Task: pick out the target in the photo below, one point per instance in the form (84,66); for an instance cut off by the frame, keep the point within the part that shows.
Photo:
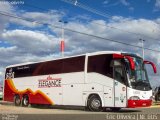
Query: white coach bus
(106,79)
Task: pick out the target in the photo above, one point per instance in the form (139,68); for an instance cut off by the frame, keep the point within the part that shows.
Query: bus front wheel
(25,101)
(94,103)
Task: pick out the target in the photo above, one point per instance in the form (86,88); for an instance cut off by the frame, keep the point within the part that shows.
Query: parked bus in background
(105,79)
(1,92)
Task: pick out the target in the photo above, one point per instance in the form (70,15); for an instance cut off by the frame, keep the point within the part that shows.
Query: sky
(30,29)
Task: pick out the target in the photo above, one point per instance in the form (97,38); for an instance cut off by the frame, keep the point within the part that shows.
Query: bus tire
(94,103)
(25,101)
(17,100)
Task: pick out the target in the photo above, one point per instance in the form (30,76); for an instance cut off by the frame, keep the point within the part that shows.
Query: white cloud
(131,8)
(148,1)
(51,17)
(125,2)
(44,16)
(157,6)
(6,7)
(4,19)
(30,41)
(106,2)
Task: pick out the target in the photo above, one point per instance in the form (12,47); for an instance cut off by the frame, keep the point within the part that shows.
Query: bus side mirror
(153,65)
(131,62)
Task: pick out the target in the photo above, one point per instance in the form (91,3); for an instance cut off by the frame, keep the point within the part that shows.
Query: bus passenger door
(119,87)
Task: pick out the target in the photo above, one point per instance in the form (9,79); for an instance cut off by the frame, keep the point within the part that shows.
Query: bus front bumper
(139,103)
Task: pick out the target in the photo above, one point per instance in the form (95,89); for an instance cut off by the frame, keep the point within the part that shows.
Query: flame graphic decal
(37,97)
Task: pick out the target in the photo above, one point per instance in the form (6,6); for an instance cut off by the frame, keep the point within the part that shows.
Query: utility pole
(62,44)
(142,46)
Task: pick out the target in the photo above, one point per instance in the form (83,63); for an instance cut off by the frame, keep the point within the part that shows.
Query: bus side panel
(72,94)
(73,84)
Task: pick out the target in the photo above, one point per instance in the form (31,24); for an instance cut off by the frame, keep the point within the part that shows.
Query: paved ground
(10,112)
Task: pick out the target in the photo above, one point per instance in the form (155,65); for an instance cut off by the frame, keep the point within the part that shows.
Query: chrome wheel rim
(26,101)
(95,104)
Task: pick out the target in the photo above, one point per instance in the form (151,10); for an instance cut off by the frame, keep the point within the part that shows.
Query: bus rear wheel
(94,103)
(25,101)
(17,100)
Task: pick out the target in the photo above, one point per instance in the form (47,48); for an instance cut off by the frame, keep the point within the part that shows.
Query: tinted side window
(75,64)
(50,67)
(100,64)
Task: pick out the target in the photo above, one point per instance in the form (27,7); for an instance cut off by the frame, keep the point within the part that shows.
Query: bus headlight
(134,98)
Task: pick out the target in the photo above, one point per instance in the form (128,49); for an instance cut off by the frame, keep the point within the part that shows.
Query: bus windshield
(138,77)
